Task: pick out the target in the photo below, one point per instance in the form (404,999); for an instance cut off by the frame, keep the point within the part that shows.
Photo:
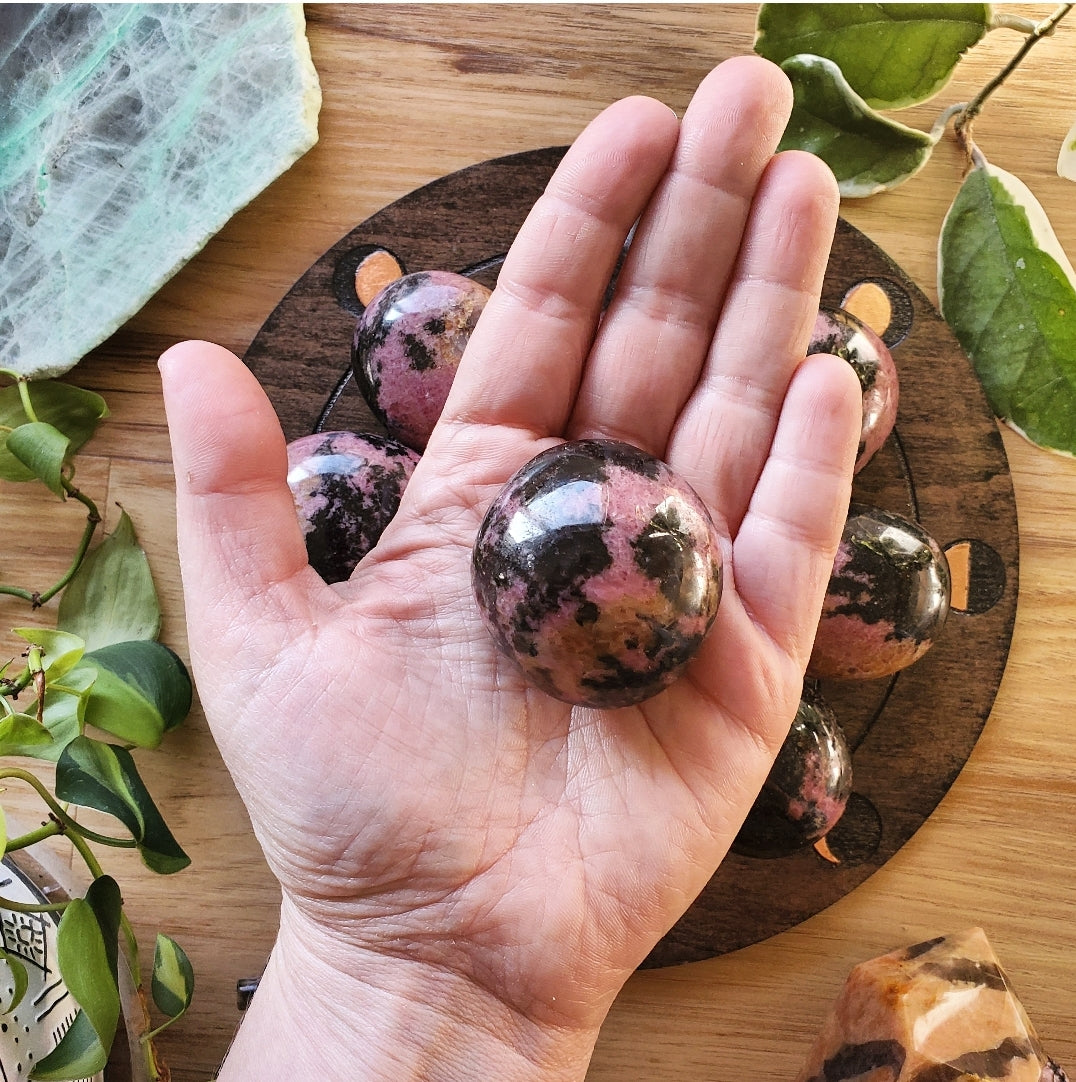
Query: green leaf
(104,777)
(80,1054)
(892,55)
(64,714)
(60,650)
(86,964)
(42,449)
(1008,291)
(106,902)
(19,978)
(1066,160)
(112,599)
(75,412)
(21,734)
(141,691)
(866,152)
(173,977)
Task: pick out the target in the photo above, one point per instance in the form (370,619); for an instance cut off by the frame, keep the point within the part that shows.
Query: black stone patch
(419,355)
(851,1061)
(986,1063)
(662,550)
(965,971)
(579,463)
(925,947)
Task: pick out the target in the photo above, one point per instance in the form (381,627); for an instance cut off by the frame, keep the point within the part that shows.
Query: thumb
(240,543)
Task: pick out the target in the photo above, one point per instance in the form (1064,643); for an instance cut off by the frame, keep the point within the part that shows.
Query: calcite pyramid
(129,135)
(939,1011)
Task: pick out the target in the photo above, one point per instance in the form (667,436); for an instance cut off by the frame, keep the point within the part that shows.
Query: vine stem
(24,395)
(37,598)
(75,832)
(967,113)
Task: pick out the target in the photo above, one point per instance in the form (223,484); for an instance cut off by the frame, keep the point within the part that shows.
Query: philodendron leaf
(79,1054)
(1009,292)
(73,411)
(867,152)
(106,902)
(63,716)
(21,734)
(112,599)
(19,978)
(173,977)
(141,690)
(42,449)
(61,651)
(104,777)
(1066,160)
(892,55)
(86,962)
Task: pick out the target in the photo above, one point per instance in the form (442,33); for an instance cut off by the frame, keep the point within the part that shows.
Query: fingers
(722,438)
(523,363)
(237,528)
(657,331)
(783,553)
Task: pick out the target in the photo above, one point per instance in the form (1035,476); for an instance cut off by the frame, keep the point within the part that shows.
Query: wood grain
(414,93)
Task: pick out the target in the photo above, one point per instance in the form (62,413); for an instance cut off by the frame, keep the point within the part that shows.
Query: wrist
(326,1010)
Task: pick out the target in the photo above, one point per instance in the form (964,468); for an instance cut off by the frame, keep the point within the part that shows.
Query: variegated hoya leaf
(867,152)
(1008,291)
(892,55)
(1066,159)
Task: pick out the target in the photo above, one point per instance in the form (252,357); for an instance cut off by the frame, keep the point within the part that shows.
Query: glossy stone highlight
(346,487)
(887,600)
(807,789)
(842,334)
(599,571)
(408,344)
(939,1011)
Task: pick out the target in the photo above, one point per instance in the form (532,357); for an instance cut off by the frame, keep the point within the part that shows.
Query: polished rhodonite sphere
(598,570)
(887,599)
(807,789)
(408,344)
(842,334)
(347,487)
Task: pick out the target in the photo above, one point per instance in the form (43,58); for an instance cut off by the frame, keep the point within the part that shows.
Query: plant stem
(962,127)
(31,907)
(12,686)
(32,837)
(27,405)
(93,520)
(75,832)
(1004,20)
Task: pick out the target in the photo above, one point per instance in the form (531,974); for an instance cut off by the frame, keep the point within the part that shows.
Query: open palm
(419,803)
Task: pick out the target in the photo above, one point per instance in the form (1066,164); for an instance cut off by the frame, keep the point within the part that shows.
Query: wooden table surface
(413,93)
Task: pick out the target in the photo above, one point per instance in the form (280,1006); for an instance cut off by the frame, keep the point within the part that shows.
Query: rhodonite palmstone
(408,344)
(887,600)
(129,135)
(807,788)
(347,487)
(842,334)
(939,1011)
(598,570)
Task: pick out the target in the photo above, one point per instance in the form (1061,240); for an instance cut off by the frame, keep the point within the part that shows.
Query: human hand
(470,869)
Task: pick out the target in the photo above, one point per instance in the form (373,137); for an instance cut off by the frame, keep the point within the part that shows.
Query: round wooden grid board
(944,466)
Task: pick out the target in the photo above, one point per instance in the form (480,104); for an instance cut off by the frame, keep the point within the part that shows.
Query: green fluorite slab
(129,134)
